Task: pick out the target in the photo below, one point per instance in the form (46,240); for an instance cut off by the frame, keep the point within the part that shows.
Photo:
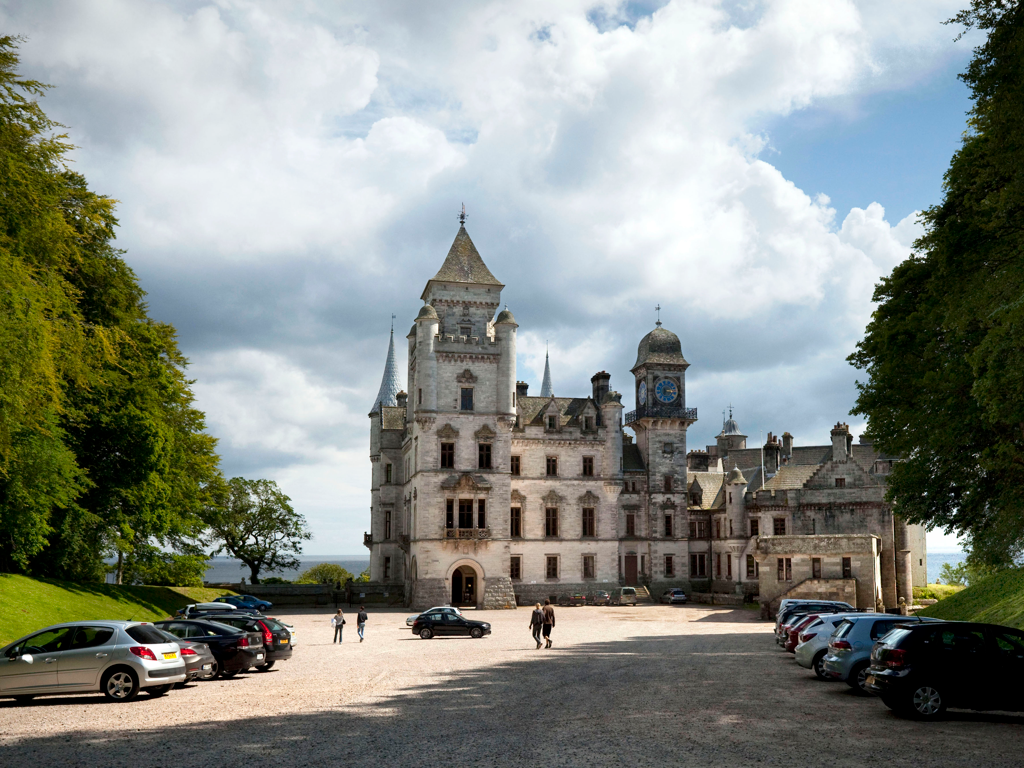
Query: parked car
(431,625)
(814,639)
(575,599)
(601,598)
(199,610)
(798,608)
(245,601)
(119,658)
(198,658)
(921,670)
(439,609)
(624,596)
(849,649)
(277,641)
(234,650)
(793,635)
(673,596)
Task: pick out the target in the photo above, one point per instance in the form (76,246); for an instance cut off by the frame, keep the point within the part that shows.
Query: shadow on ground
(711,699)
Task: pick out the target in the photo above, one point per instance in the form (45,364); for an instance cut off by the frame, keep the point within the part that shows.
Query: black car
(198,658)
(600,598)
(920,670)
(576,599)
(234,650)
(431,625)
(277,641)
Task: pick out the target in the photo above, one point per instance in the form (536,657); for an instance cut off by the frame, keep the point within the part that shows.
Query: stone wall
(499,593)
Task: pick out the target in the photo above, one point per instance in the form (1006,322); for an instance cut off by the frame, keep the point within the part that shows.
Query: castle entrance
(464,586)
(630,570)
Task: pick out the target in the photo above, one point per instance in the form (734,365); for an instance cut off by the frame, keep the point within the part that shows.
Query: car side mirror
(26,657)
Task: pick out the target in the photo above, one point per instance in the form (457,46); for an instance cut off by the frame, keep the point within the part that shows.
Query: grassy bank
(28,604)
(998,599)
(936,591)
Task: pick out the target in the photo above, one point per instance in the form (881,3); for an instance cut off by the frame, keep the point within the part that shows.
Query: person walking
(361,622)
(338,621)
(537,623)
(549,621)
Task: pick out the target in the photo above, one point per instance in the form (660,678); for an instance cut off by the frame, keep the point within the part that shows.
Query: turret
(425,395)
(599,383)
(505,333)
(735,508)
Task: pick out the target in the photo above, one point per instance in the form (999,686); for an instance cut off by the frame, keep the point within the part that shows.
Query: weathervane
(393,316)
(462,215)
(658,310)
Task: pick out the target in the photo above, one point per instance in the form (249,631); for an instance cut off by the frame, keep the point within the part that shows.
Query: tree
(944,351)
(963,574)
(256,524)
(325,573)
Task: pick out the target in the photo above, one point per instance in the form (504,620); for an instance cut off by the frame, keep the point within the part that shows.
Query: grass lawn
(998,599)
(28,604)
(936,591)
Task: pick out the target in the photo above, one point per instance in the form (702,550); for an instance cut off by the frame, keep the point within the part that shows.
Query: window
(698,565)
(465,330)
(91,637)
(667,448)
(516,523)
(515,568)
(730,497)
(551,521)
(785,569)
(589,568)
(718,565)
(633,486)
(387,473)
(698,529)
(668,526)
(449,521)
(668,483)
(840,482)
(551,571)
(730,527)
(847,568)
(630,524)
(754,527)
(481,513)
(694,499)
(779,526)
(419,397)
(467,398)
(588,521)
(516,466)
(552,422)
(815,567)
(387,567)
(588,424)
(483,453)
(752,569)
(465,513)
(670,567)
(387,525)
(588,466)
(552,466)
(447,455)
(718,529)
(728,566)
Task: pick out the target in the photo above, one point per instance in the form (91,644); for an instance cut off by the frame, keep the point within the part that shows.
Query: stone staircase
(643,596)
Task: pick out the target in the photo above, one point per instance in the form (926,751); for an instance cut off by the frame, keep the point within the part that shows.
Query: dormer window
(552,422)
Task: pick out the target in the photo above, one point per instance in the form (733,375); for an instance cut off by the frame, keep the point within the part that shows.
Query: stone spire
(545,387)
(389,385)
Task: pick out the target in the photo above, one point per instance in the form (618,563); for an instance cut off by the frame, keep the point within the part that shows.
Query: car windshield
(148,634)
(628,591)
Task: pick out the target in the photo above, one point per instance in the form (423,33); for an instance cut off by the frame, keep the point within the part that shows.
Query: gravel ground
(631,686)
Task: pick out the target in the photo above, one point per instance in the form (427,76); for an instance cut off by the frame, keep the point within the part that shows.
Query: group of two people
(542,621)
(338,622)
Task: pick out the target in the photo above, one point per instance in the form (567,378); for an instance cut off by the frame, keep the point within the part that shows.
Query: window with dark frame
(751,567)
(754,527)
(785,569)
(698,529)
(387,473)
(589,526)
(699,565)
(465,513)
(387,525)
(483,455)
(670,567)
(779,526)
(516,465)
(447,455)
(718,565)
(630,524)
(551,571)
(419,397)
(552,466)
(668,526)
(589,569)
(840,482)
(588,423)
(387,567)
(588,466)
(815,567)
(718,529)
(467,399)
(551,521)
(668,483)
(728,566)
(552,423)
(847,568)
(449,521)
(481,513)
(516,523)
(515,568)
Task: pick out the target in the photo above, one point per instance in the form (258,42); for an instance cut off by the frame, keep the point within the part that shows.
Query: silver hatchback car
(119,658)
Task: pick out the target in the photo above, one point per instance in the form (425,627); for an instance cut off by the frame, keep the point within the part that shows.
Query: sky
(289,174)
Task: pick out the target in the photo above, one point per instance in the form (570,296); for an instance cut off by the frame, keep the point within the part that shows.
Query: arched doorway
(465,584)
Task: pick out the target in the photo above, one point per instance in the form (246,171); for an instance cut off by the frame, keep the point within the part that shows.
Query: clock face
(641,393)
(666,390)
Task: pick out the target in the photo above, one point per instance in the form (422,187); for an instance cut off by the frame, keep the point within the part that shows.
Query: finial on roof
(545,386)
(462,216)
(658,310)
(393,316)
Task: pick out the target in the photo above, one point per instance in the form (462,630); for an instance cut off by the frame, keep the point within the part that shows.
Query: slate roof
(711,488)
(392,417)
(464,265)
(569,409)
(632,459)
(389,384)
(659,346)
(790,476)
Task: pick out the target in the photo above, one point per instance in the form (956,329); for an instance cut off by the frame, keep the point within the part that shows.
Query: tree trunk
(254,573)
(120,568)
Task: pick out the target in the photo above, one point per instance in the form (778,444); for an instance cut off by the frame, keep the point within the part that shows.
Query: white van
(624,596)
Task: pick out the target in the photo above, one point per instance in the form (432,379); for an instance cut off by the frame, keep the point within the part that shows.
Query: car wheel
(858,677)
(426,634)
(24,699)
(230,675)
(476,632)
(265,667)
(926,703)
(214,670)
(158,690)
(120,685)
(818,665)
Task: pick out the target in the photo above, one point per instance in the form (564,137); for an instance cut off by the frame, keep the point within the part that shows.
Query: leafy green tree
(944,351)
(363,577)
(256,524)
(151,565)
(325,573)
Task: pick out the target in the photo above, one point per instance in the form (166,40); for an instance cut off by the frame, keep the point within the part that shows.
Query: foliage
(363,577)
(150,565)
(28,604)
(935,591)
(325,573)
(998,599)
(944,351)
(255,523)
(965,573)
(275,580)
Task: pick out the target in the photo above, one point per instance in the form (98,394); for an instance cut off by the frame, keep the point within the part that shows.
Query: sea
(937,559)
(222,569)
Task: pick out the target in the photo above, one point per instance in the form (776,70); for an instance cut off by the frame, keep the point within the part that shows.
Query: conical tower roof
(464,265)
(545,386)
(389,384)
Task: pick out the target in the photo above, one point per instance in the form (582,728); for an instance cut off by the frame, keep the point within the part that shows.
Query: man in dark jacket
(361,622)
(549,621)
(536,623)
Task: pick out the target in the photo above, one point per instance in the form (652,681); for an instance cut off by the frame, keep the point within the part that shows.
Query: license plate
(284,641)
(207,666)
(259,655)
(170,655)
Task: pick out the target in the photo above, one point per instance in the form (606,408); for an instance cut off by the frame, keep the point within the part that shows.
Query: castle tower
(546,390)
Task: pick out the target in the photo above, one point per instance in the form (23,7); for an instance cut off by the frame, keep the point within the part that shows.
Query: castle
(486,496)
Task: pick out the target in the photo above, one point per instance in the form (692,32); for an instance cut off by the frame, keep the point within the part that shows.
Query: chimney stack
(521,387)
(787,446)
(402,399)
(841,442)
(599,382)
(697,461)
(772,449)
